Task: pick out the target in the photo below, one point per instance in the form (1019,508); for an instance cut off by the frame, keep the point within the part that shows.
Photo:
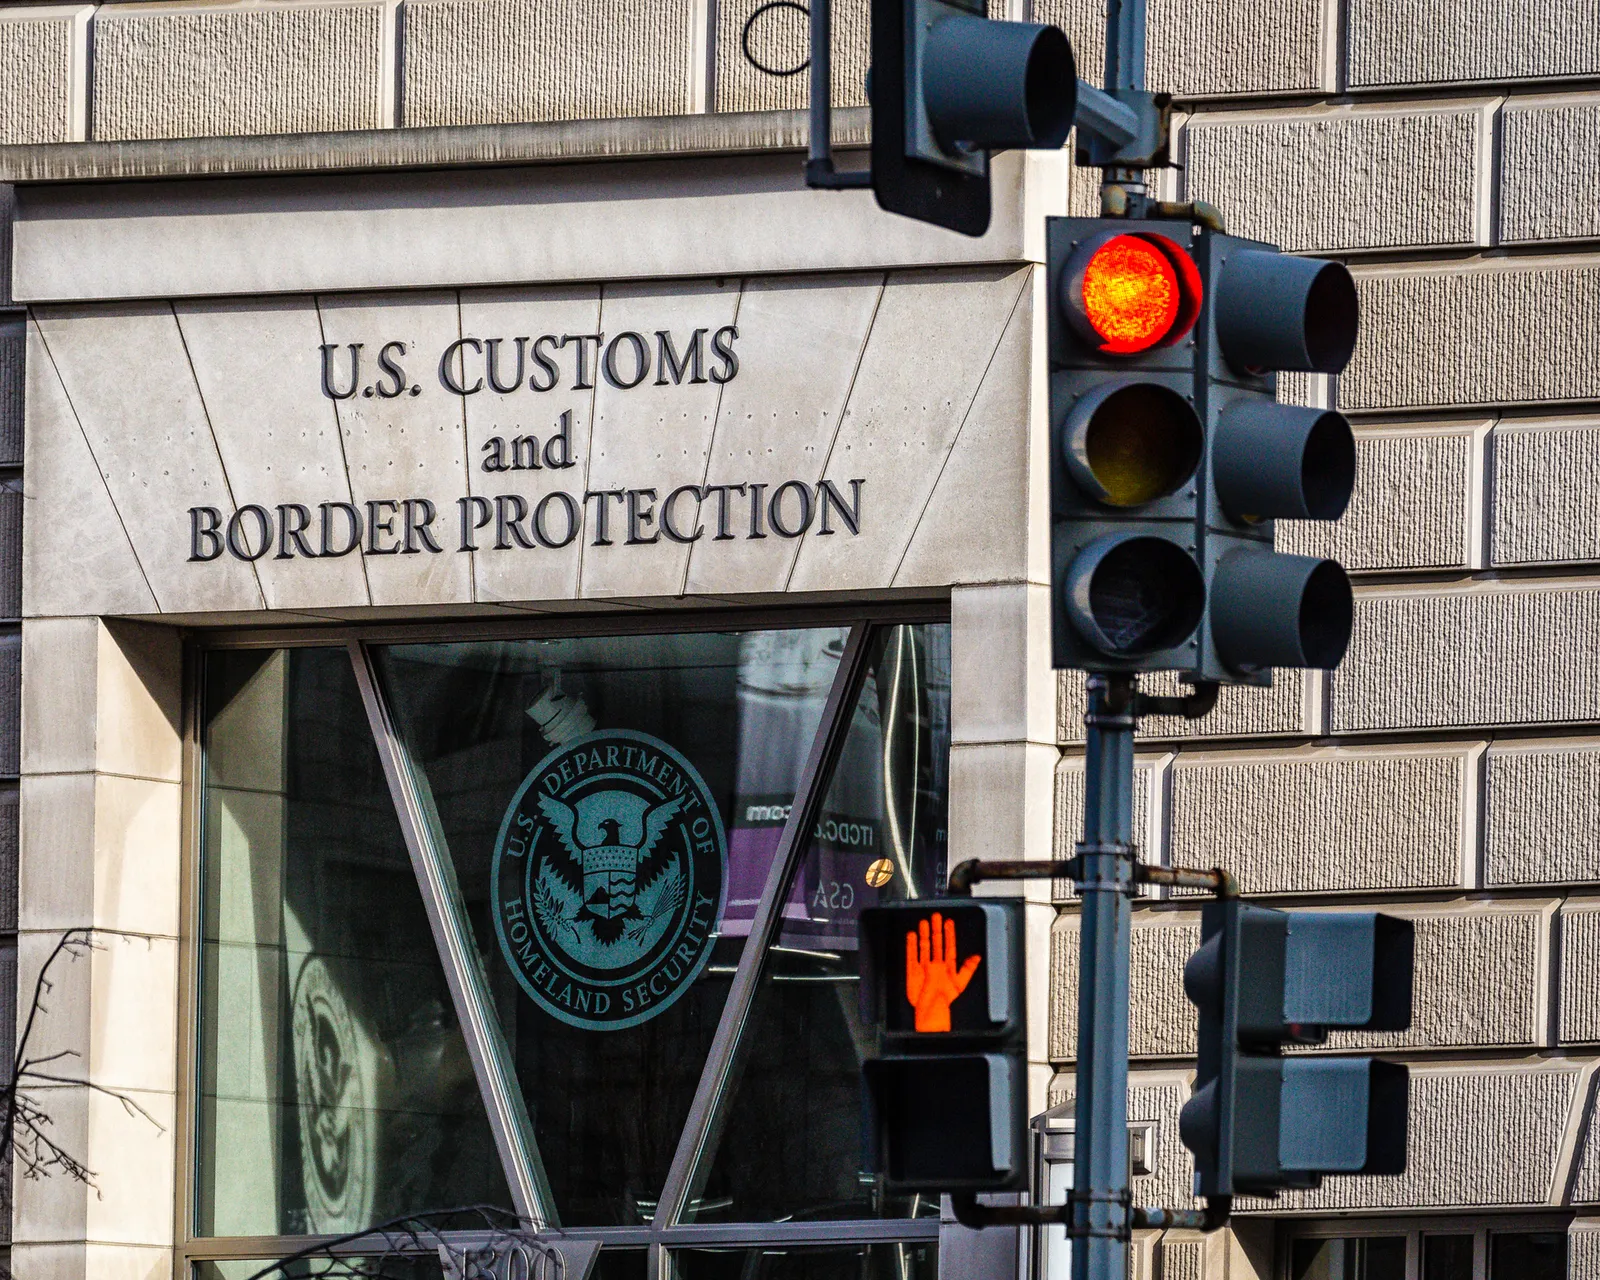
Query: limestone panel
(408,446)
(10,703)
(1501,313)
(973,526)
(658,435)
(1475,1138)
(36,49)
(1542,814)
(1411,508)
(1161,1020)
(1419,659)
(800,342)
(1341,179)
(1580,973)
(259,374)
(499,61)
(66,486)
(1538,139)
(280,68)
(1322,821)
(1546,493)
(781,38)
(912,398)
(1258,47)
(1242,711)
(1399,42)
(8,864)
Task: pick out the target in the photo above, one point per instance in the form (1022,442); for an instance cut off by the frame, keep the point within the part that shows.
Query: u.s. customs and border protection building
(455,472)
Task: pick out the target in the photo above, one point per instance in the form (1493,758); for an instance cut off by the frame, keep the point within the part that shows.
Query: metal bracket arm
(969,1213)
(974,870)
(819,159)
(1191,706)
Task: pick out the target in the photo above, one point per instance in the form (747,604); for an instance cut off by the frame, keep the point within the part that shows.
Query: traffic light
(1126,444)
(1265,312)
(948,86)
(1171,458)
(947,1094)
(1257,1121)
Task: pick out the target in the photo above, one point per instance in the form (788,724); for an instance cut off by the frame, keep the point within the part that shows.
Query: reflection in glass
(1349,1258)
(335,1089)
(792,1145)
(778,1262)
(397,1268)
(610,807)
(1447,1257)
(1528,1255)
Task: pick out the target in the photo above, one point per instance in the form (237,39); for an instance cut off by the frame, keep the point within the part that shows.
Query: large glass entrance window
(561,924)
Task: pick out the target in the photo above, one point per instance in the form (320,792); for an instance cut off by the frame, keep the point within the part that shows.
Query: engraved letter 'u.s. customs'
(609,876)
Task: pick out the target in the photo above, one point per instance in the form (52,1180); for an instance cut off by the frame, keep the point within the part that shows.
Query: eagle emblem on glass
(609,875)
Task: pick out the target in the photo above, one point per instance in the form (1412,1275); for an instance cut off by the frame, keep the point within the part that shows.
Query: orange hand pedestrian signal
(932,980)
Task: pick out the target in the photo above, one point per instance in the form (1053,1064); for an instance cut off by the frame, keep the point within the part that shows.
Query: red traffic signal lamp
(1170,457)
(946,1090)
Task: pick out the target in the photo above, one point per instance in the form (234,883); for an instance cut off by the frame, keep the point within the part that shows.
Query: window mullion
(708,1112)
(469,992)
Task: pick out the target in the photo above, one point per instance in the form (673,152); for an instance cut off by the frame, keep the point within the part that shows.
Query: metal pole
(821,135)
(1124,72)
(1101,1196)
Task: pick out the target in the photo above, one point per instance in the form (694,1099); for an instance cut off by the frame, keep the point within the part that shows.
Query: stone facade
(1449,771)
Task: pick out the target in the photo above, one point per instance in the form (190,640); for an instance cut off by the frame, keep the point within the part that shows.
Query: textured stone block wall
(1449,770)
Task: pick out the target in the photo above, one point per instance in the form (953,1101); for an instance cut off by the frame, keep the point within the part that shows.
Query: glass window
(1349,1258)
(1447,1257)
(840,1262)
(335,1088)
(792,1143)
(1527,1255)
(611,807)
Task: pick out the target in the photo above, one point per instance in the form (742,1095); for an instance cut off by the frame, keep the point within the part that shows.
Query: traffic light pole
(1102,1195)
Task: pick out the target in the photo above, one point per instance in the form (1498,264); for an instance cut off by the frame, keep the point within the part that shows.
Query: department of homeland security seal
(608,879)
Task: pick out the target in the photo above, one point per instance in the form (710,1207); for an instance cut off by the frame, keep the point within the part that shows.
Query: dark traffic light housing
(946,1093)
(1171,458)
(1260,1122)
(949,86)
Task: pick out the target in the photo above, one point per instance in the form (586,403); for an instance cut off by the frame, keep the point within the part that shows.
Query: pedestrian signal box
(946,1088)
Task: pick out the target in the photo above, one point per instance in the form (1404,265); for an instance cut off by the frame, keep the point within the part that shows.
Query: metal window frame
(1414,1227)
(474,1008)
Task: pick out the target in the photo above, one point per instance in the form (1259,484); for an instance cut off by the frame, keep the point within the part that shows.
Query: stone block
(1580,973)
(1433,659)
(1000,800)
(1537,139)
(1583,1249)
(1412,507)
(10,701)
(1325,820)
(41,49)
(1542,813)
(1000,679)
(1416,42)
(1149,836)
(1478,982)
(1242,711)
(1181,1259)
(1341,179)
(500,61)
(1476,1137)
(1161,1020)
(1546,492)
(1256,47)
(8,864)
(280,68)
(1499,311)
(1154,1097)
(781,38)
